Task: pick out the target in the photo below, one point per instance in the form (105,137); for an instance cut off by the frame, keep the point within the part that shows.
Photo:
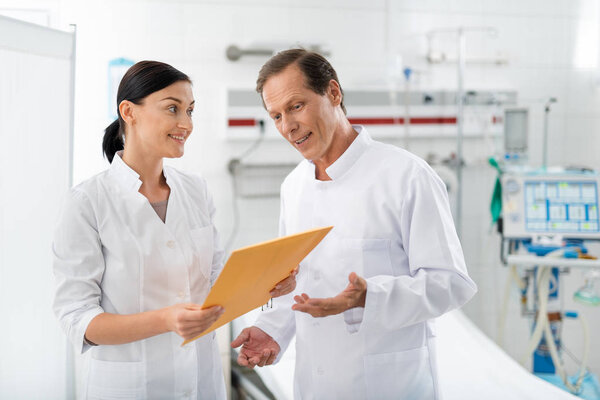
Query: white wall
(552,48)
(35,130)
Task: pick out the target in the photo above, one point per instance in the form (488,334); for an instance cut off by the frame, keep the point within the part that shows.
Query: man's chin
(306,154)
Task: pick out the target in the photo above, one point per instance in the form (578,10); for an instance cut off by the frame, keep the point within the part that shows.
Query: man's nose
(290,125)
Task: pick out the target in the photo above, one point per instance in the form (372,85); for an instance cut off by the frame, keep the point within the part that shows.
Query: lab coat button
(171,244)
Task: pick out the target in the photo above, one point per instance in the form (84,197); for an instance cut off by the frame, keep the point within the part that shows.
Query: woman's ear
(126,112)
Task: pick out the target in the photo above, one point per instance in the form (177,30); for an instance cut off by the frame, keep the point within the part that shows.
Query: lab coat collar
(124,174)
(351,155)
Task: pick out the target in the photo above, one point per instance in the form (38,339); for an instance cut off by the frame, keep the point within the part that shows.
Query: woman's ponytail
(112,141)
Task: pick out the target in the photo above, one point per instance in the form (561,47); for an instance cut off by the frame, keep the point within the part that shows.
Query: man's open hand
(354,295)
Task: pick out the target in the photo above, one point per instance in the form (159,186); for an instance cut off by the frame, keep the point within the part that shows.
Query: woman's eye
(190,112)
(172,109)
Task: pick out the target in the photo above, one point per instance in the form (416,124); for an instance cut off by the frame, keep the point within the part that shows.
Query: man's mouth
(303,139)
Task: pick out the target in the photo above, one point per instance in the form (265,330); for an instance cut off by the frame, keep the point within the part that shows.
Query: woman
(136,252)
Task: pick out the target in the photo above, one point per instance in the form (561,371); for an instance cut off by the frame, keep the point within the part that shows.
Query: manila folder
(252,272)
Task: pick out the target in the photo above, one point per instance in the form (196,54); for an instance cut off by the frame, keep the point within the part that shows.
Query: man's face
(304,118)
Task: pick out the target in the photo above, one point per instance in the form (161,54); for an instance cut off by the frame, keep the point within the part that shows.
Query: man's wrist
(362,300)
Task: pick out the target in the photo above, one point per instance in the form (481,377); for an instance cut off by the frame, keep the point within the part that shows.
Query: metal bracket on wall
(234,53)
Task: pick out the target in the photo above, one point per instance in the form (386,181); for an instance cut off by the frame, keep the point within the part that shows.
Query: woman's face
(161,125)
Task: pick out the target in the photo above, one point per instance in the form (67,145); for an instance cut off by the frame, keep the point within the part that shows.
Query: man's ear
(334,92)
(127,112)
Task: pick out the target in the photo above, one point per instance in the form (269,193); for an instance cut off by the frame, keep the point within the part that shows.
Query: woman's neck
(154,184)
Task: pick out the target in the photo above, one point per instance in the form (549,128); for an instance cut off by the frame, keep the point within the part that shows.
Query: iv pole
(545,140)
(460,32)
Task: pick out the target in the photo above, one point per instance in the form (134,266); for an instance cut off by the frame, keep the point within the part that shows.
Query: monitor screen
(561,206)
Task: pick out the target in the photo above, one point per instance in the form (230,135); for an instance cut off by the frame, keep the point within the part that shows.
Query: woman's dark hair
(141,80)
(317,71)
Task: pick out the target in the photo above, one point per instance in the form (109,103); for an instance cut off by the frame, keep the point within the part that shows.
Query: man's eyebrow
(292,100)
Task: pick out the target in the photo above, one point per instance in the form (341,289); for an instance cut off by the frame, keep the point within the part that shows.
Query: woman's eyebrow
(172,98)
(177,100)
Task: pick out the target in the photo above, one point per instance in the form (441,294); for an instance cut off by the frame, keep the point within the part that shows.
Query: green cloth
(496,204)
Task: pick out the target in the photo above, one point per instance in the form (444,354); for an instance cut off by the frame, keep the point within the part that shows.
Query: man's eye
(276,117)
(297,106)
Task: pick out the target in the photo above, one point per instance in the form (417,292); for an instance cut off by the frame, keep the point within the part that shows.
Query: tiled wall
(552,51)
(551,47)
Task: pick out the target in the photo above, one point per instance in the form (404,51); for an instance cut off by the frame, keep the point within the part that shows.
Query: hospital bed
(471,366)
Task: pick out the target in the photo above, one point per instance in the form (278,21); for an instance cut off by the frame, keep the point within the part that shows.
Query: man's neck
(342,139)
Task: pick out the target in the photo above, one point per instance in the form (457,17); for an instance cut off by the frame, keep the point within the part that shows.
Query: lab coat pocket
(369,257)
(202,245)
(116,380)
(399,375)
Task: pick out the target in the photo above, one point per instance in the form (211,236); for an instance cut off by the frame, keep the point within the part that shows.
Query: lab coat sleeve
(437,281)
(78,268)
(218,251)
(279,322)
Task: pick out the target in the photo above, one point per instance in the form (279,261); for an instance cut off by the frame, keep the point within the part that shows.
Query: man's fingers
(319,307)
(317,302)
(265,357)
(282,289)
(352,277)
(242,360)
(356,280)
(241,339)
(253,361)
(272,358)
(314,311)
(285,286)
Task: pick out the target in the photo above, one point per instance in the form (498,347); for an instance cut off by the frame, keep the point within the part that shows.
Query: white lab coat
(112,253)
(393,226)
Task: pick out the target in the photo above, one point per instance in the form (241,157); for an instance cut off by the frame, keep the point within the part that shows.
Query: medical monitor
(516,128)
(551,204)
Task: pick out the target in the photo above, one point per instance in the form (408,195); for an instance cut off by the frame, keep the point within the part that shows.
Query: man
(370,291)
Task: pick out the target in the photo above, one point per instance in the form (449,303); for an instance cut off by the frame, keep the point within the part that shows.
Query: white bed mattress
(471,366)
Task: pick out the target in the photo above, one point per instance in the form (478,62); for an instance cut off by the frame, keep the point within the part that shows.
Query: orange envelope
(252,272)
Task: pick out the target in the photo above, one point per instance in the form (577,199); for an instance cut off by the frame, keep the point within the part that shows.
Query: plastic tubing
(542,317)
(558,363)
(512,276)
(542,282)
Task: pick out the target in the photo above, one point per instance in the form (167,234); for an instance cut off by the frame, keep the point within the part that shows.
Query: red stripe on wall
(400,121)
(433,120)
(377,121)
(242,122)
